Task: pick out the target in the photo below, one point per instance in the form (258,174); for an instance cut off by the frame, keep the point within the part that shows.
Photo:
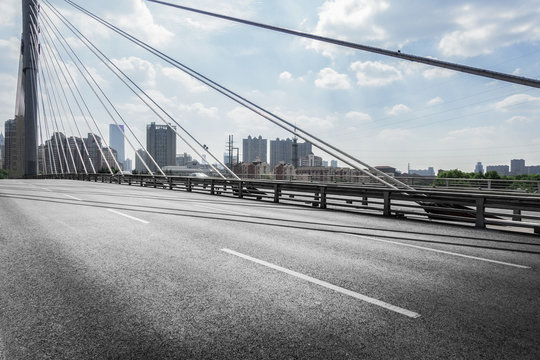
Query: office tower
(502,170)
(161,145)
(280,151)
(2,143)
(283,150)
(517,167)
(128,164)
(254,149)
(333,163)
(9,143)
(94,147)
(139,165)
(479,168)
(304,149)
(116,141)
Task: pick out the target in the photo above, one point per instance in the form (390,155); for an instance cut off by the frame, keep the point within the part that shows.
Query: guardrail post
(155,182)
(189,185)
(387,207)
(516,212)
(323,197)
(480,212)
(365,201)
(129,180)
(277,192)
(240,189)
(141,181)
(110,179)
(489,184)
(170,183)
(212,186)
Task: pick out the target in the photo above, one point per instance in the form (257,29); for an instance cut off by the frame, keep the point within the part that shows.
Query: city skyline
(383,111)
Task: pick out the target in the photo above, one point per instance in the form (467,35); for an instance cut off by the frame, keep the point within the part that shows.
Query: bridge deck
(92,270)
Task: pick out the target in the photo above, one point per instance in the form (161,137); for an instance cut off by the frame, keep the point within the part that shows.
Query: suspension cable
(253,107)
(63,40)
(397,54)
(110,65)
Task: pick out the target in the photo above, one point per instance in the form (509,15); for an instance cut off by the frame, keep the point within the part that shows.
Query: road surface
(103,271)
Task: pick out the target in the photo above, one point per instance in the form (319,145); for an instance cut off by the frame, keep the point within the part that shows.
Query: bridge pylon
(30,53)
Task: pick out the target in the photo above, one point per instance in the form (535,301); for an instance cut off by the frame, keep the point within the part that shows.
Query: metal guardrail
(479,209)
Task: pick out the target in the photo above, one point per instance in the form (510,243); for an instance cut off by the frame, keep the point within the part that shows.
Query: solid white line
(339,289)
(73,197)
(45,189)
(128,216)
(444,252)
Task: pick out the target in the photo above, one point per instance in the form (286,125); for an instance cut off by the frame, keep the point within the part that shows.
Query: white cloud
(435,73)
(519,119)
(330,79)
(286,76)
(398,109)
(184,79)
(358,117)
(375,73)
(9,9)
(141,23)
(486,27)
(135,63)
(10,48)
(435,101)
(342,17)
(518,99)
(200,109)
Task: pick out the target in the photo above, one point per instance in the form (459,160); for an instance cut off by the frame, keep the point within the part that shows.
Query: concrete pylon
(30,53)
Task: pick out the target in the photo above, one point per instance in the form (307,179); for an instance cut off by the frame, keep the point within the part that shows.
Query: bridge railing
(479,209)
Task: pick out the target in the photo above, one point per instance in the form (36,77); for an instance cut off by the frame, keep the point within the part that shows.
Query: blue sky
(384,111)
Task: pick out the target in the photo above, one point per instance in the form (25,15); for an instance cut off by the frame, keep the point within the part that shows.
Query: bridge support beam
(30,53)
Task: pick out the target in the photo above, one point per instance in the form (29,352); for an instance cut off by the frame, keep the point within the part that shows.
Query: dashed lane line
(327,285)
(128,216)
(444,252)
(73,197)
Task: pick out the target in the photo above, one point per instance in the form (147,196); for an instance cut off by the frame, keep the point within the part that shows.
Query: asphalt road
(103,271)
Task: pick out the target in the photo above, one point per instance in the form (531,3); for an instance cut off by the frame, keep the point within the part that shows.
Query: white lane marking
(46,189)
(73,197)
(443,252)
(128,216)
(336,288)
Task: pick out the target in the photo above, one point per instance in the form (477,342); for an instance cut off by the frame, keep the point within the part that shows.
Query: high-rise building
(161,145)
(311,160)
(94,150)
(333,163)
(139,165)
(479,168)
(14,146)
(502,170)
(254,149)
(183,159)
(304,149)
(282,151)
(517,167)
(2,143)
(116,141)
(128,164)
(9,129)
